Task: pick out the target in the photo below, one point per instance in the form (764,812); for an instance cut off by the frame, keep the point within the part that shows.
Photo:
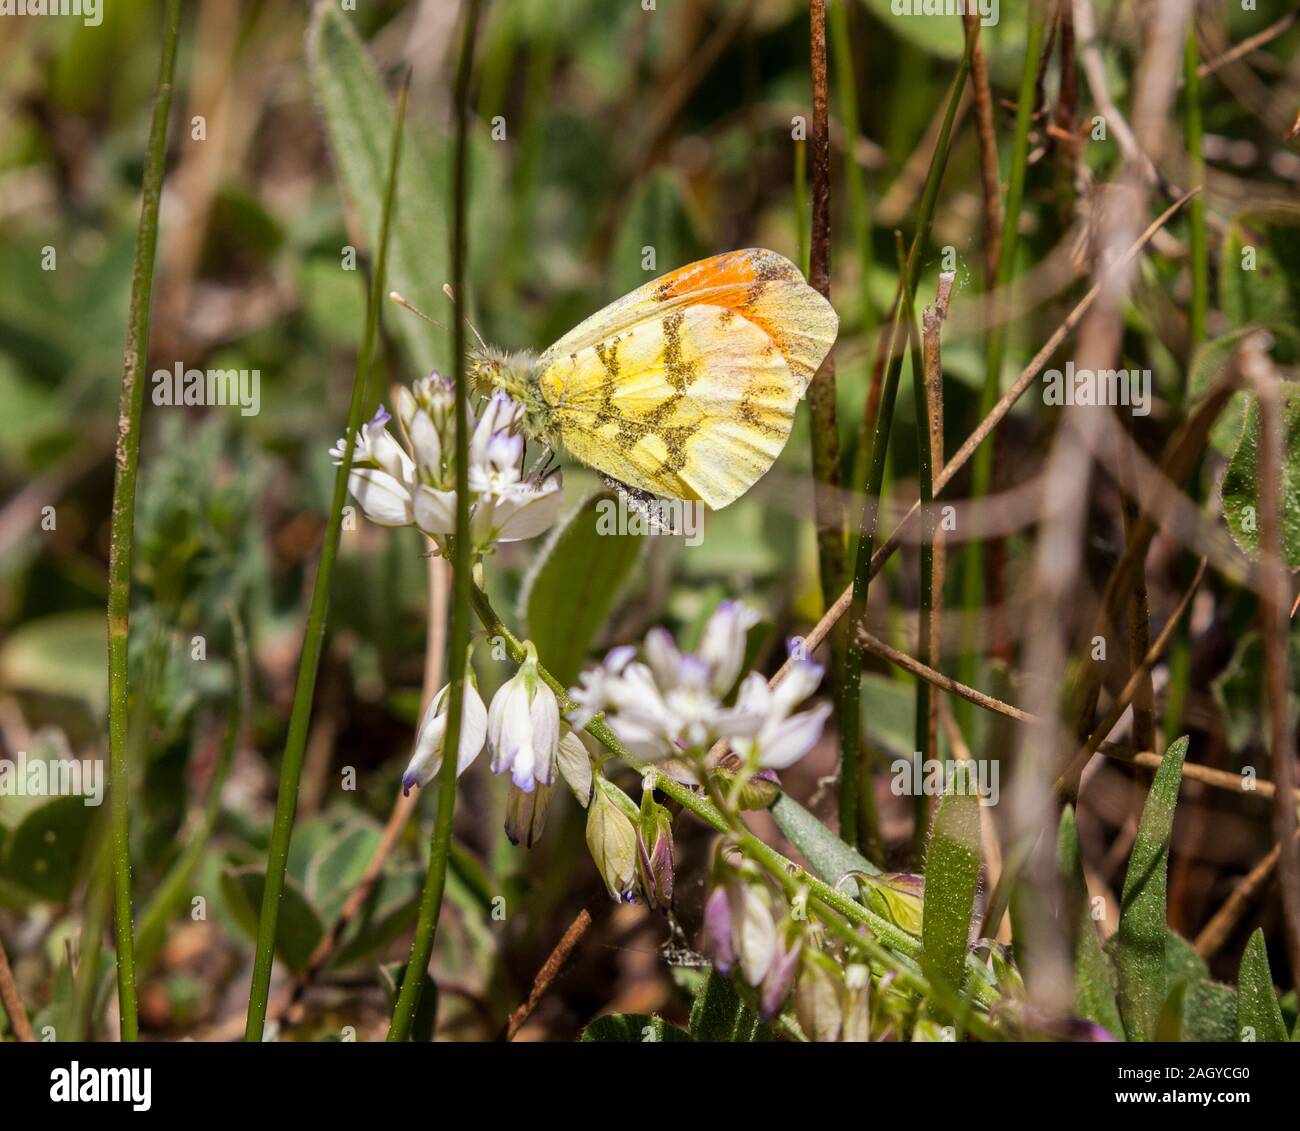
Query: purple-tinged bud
(526,813)
(780,974)
(654,843)
(716,944)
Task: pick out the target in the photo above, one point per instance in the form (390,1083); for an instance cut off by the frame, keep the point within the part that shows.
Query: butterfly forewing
(687,387)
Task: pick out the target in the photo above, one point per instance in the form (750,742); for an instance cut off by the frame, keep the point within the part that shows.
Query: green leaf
(1209,361)
(299,927)
(630,1028)
(1094,976)
(390,909)
(952,873)
(426,1013)
(64,654)
(1260,270)
(1140,940)
(338,867)
(359,122)
(1259,1017)
(828,857)
(720,1015)
(1240,489)
(43,853)
(1169,1025)
(1210,1013)
(573,584)
(1238,688)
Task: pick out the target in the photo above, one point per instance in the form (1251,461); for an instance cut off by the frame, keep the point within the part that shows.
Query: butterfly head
(516,375)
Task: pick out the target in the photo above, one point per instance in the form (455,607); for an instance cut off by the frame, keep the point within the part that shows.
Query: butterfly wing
(687,387)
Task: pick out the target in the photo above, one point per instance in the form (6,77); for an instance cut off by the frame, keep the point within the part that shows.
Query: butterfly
(686,388)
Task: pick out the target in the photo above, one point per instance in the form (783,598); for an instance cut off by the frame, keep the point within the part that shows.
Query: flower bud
(432,737)
(857,1004)
(715,943)
(819,997)
(611,839)
(780,974)
(523,730)
(898,897)
(526,814)
(654,843)
(760,790)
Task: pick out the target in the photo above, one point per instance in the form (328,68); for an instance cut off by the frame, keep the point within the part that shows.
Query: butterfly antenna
(446,289)
(395,297)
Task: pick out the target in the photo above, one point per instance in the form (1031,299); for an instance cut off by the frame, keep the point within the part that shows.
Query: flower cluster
(741,933)
(672,705)
(524,736)
(415,484)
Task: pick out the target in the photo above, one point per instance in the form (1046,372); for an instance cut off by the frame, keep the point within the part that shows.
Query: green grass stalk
(126,464)
(408,998)
(286,801)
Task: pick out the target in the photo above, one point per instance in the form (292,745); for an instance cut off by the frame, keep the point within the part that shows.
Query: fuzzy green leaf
(574,582)
(828,857)
(632,1028)
(1259,1017)
(1094,976)
(720,1015)
(359,121)
(952,872)
(1240,489)
(1140,940)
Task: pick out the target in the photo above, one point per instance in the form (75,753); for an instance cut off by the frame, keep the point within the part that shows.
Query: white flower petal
(383,499)
(575,766)
(434,510)
(530,514)
(784,743)
(426,443)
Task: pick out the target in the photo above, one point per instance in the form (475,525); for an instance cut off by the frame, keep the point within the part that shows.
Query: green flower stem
(286,801)
(852,749)
(781,868)
(119,562)
(408,998)
(995,349)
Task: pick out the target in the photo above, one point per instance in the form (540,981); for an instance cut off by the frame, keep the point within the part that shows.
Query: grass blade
(952,872)
(304,690)
(1259,1017)
(1140,941)
(408,999)
(1094,977)
(119,562)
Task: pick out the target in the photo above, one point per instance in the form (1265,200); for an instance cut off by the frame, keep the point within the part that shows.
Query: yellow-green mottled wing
(687,387)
